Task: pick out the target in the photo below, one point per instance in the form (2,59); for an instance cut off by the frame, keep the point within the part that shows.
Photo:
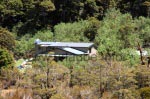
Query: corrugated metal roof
(74,51)
(65,44)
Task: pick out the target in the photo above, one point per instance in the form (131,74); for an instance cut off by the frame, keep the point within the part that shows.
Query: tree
(32,13)
(135,7)
(71,31)
(91,31)
(116,34)
(75,10)
(9,11)
(7,40)
(144,30)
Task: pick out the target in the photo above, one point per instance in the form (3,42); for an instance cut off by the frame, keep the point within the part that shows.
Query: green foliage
(26,43)
(116,34)
(130,56)
(44,35)
(93,26)
(74,10)
(148,51)
(78,31)
(7,40)
(38,14)
(32,13)
(11,7)
(143,26)
(73,32)
(93,8)
(6,58)
(47,5)
(126,6)
(145,92)
(23,45)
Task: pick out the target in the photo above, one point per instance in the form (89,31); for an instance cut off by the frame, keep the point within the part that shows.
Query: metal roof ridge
(66,42)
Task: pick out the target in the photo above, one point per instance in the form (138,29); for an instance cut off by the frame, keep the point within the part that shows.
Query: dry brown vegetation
(88,80)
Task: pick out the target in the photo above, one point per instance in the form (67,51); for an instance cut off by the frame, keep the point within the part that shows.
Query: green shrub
(6,39)
(130,56)
(26,42)
(6,58)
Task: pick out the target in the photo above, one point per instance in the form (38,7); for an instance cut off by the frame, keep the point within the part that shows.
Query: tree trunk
(141,56)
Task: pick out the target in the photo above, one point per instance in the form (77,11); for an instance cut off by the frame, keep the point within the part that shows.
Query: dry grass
(16,94)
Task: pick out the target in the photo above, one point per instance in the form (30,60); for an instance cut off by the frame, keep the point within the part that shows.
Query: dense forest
(118,28)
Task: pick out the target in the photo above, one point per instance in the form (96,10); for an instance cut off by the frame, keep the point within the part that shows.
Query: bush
(130,56)
(6,58)
(145,92)
(6,39)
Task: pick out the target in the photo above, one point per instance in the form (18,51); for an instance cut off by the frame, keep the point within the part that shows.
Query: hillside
(119,30)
